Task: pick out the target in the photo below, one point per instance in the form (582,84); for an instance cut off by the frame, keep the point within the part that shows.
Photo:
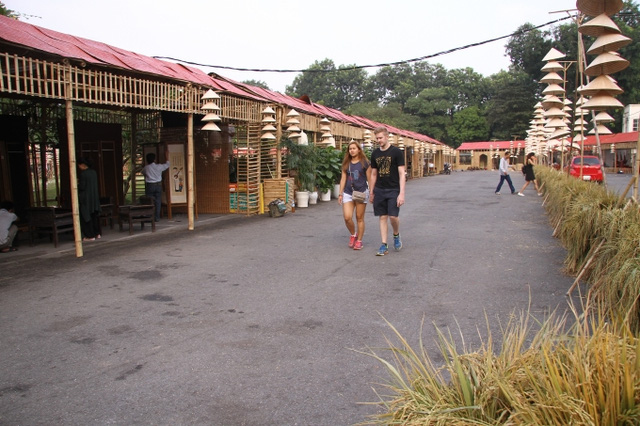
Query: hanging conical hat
(597,7)
(209,95)
(606,63)
(553,89)
(551,100)
(602,83)
(602,130)
(603,117)
(552,66)
(554,112)
(602,101)
(608,42)
(563,131)
(553,55)
(555,123)
(599,25)
(552,78)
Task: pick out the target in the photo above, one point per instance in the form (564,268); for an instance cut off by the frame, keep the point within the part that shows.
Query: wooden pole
(73,177)
(190,165)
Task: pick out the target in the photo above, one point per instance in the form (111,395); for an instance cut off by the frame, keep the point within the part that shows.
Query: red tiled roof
(613,138)
(97,53)
(93,52)
(468,146)
(590,140)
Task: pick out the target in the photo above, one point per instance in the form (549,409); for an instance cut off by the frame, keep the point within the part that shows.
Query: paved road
(252,320)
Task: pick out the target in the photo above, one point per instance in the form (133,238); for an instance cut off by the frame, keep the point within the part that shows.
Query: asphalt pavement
(258,320)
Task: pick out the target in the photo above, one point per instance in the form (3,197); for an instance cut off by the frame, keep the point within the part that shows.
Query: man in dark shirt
(387,182)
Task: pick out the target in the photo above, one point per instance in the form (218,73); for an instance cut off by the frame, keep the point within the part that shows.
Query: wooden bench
(141,213)
(49,220)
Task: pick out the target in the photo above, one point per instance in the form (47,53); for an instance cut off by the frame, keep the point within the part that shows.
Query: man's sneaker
(397,244)
(357,245)
(384,249)
(352,240)
(497,193)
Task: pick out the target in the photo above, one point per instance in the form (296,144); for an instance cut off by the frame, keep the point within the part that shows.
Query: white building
(631,118)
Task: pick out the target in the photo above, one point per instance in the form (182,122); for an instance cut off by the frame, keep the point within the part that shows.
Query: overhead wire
(356,67)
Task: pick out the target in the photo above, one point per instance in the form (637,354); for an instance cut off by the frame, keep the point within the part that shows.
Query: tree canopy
(461,105)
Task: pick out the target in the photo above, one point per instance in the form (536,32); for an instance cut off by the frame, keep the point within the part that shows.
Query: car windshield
(587,161)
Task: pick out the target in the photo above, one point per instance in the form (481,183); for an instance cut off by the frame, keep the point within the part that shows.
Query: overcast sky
(293,34)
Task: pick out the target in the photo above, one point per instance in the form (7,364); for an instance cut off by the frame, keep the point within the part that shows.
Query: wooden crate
(278,188)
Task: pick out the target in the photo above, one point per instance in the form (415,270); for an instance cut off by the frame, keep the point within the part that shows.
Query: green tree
(468,125)
(391,114)
(511,105)
(526,48)
(334,87)
(435,107)
(8,12)
(257,83)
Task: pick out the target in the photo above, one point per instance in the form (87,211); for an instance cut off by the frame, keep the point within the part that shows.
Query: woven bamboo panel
(278,188)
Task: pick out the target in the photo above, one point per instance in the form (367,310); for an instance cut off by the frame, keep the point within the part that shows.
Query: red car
(591,168)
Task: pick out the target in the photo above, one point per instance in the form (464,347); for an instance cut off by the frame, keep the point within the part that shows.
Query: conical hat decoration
(553,55)
(608,42)
(552,66)
(599,25)
(597,7)
(553,89)
(602,83)
(554,112)
(602,101)
(552,78)
(555,123)
(602,130)
(578,138)
(603,117)
(606,63)
(563,131)
(551,100)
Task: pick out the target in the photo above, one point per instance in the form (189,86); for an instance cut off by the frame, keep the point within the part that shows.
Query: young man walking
(504,173)
(387,188)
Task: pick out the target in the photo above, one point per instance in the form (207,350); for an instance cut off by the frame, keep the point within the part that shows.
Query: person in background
(8,229)
(89,201)
(356,175)
(529,175)
(387,188)
(504,173)
(153,180)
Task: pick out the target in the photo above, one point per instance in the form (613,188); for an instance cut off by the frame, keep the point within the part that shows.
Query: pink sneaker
(352,240)
(357,245)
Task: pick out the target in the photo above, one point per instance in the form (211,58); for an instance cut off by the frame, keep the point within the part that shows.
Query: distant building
(631,118)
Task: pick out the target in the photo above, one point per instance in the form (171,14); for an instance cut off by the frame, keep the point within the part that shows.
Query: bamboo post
(190,164)
(73,176)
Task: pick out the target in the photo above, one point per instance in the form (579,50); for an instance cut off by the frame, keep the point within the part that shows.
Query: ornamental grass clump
(586,373)
(601,233)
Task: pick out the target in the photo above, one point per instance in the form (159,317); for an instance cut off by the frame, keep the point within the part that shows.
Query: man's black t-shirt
(387,163)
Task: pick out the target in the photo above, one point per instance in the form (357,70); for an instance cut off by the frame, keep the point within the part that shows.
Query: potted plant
(301,161)
(328,170)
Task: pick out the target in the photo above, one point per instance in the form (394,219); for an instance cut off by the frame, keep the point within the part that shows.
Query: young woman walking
(356,175)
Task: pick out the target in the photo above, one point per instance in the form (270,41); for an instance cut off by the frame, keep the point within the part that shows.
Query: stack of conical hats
(600,92)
